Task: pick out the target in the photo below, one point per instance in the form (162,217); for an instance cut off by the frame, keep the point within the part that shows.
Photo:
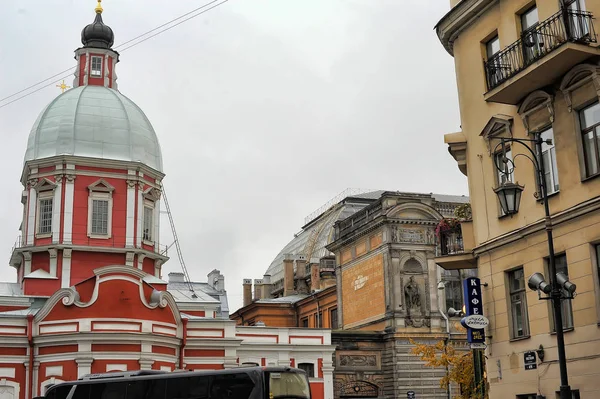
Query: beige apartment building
(526,67)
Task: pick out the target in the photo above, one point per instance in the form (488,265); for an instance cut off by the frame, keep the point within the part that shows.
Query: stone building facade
(387,287)
(526,68)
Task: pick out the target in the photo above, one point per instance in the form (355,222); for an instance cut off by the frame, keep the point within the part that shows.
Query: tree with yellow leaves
(459,366)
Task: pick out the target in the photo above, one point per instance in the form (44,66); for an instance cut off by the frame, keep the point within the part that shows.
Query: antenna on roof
(176,242)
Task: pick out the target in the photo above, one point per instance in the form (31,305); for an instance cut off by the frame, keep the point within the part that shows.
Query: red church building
(90,296)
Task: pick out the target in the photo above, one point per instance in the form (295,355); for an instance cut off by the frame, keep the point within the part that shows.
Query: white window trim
(106,196)
(92,74)
(148,204)
(44,195)
(553,176)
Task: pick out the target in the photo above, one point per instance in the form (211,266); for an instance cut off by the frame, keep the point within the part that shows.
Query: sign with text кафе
(473,306)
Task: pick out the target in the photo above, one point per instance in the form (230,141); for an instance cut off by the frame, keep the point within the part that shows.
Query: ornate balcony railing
(537,42)
(451,242)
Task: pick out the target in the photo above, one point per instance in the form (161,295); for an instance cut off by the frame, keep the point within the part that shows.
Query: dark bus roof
(156,374)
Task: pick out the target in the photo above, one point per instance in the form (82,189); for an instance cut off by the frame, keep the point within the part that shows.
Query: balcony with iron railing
(454,248)
(542,54)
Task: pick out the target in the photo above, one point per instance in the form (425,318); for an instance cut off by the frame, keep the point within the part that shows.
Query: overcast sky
(265,110)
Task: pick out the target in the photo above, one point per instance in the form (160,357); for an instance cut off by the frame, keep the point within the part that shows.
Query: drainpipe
(30,340)
(183,342)
(445,346)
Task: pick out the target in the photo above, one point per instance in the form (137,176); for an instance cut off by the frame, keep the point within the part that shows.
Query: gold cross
(63,86)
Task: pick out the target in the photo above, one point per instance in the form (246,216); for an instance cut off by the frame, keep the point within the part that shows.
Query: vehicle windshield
(288,385)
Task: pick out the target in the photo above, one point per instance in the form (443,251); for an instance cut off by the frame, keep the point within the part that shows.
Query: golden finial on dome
(98,8)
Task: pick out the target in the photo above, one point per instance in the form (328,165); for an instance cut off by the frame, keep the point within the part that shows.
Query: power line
(120,45)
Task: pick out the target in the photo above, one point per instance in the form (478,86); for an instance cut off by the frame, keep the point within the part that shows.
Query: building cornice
(461,16)
(94,248)
(91,162)
(576,211)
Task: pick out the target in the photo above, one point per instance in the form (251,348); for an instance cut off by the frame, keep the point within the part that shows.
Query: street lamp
(559,287)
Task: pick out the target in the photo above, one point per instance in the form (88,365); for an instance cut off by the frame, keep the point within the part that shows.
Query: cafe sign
(474,307)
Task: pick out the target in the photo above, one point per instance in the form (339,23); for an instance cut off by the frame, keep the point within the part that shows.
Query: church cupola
(97,34)
(96,60)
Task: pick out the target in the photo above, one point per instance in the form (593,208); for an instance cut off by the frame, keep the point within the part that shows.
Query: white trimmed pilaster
(140,261)
(31,209)
(84,366)
(129,258)
(27,262)
(86,69)
(327,378)
(56,208)
(68,217)
(106,60)
(36,379)
(53,259)
(66,268)
(157,267)
(140,213)
(146,364)
(130,221)
(156,232)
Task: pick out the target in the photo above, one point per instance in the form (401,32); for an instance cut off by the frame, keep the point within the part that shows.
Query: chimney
(288,275)
(301,267)
(315,277)
(266,287)
(301,285)
(247,291)
(176,277)
(258,289)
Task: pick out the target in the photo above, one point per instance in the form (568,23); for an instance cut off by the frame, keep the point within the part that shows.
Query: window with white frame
(100,204)
(518,303)
(549,160)
(45,203)
(99,216)
(590,129)
(96,67)
(148,224)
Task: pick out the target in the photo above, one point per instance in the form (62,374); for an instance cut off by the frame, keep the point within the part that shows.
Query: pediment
(537,110)
(414,211)
(102,186)
(578,77)
(497,125)
(45,185)
(152,194)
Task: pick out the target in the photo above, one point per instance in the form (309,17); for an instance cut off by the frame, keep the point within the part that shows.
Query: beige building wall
(505,243)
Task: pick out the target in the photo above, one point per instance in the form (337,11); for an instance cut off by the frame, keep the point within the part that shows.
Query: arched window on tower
(100,209)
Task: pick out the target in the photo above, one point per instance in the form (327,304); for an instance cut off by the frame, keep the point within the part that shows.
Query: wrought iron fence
(535,43)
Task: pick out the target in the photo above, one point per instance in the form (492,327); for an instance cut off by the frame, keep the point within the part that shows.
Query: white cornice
(94,248)
(458,19)
(93,162)
(16,301)
(100,338)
